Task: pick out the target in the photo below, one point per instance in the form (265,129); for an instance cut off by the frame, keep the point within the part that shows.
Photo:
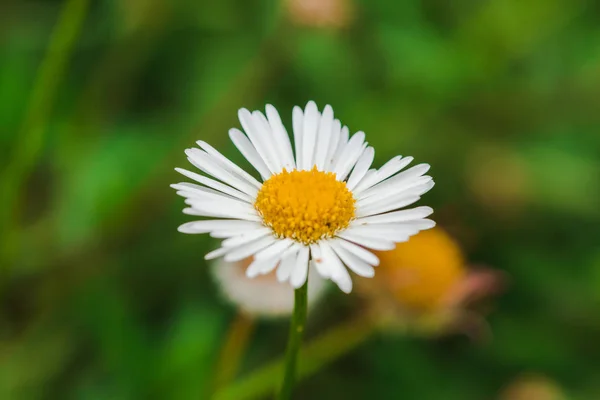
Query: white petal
(222,209)
(259,141)
(228,164)
(371,243)
(278,247)
(262,266)
(268,139)
(209,165)
(211,183)
(415,187)
(350,155)
(424,188)
(309,134)
(390,230)
(216,224)
(370,232)
(370,176)
(339,274)
(333,143)
(245,147)
(317,258)
(193,191)
(323,137)
(216,253)
(281,137)
(248,249)
(271,265)
(400,179)
(288,261)
(300,271)
(385,206)
(361,168)
(421,224)
(354,263)
(397,216)
(246,237)
(188,189)
(342,143)
(358,251)
(226,234)
(298,123)
(388,169)
(203,210)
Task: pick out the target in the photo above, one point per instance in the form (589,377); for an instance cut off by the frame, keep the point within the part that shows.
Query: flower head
(320,203)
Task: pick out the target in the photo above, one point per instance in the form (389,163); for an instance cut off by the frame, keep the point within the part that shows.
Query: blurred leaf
(106,172)
(186,366)
(124,350)
(22,375)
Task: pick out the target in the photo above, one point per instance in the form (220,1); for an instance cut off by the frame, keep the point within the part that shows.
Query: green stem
(314,356)
(294,341)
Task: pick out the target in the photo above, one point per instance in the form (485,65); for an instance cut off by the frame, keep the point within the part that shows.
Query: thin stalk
(314,356)
(294,341)
(233,349)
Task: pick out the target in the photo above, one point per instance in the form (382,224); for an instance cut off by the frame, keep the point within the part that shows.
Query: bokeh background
(102,298)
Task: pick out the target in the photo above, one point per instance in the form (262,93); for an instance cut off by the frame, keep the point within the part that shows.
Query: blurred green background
(102,298)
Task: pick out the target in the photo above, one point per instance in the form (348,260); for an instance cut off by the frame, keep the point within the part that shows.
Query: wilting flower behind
(532,387)
(423,284)
(321,13)
(320,203)
(263,296)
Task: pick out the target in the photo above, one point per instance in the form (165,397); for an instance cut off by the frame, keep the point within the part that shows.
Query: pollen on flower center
(305,205)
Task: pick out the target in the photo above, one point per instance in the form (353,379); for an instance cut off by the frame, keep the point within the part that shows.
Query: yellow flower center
(305,205)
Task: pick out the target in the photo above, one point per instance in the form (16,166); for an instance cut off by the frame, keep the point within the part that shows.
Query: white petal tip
(251,274)
(296,284)
(345,288)
(212,255)
(427,224)
(189,227)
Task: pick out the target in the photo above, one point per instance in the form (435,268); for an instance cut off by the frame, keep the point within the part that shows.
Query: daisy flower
(319,202)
